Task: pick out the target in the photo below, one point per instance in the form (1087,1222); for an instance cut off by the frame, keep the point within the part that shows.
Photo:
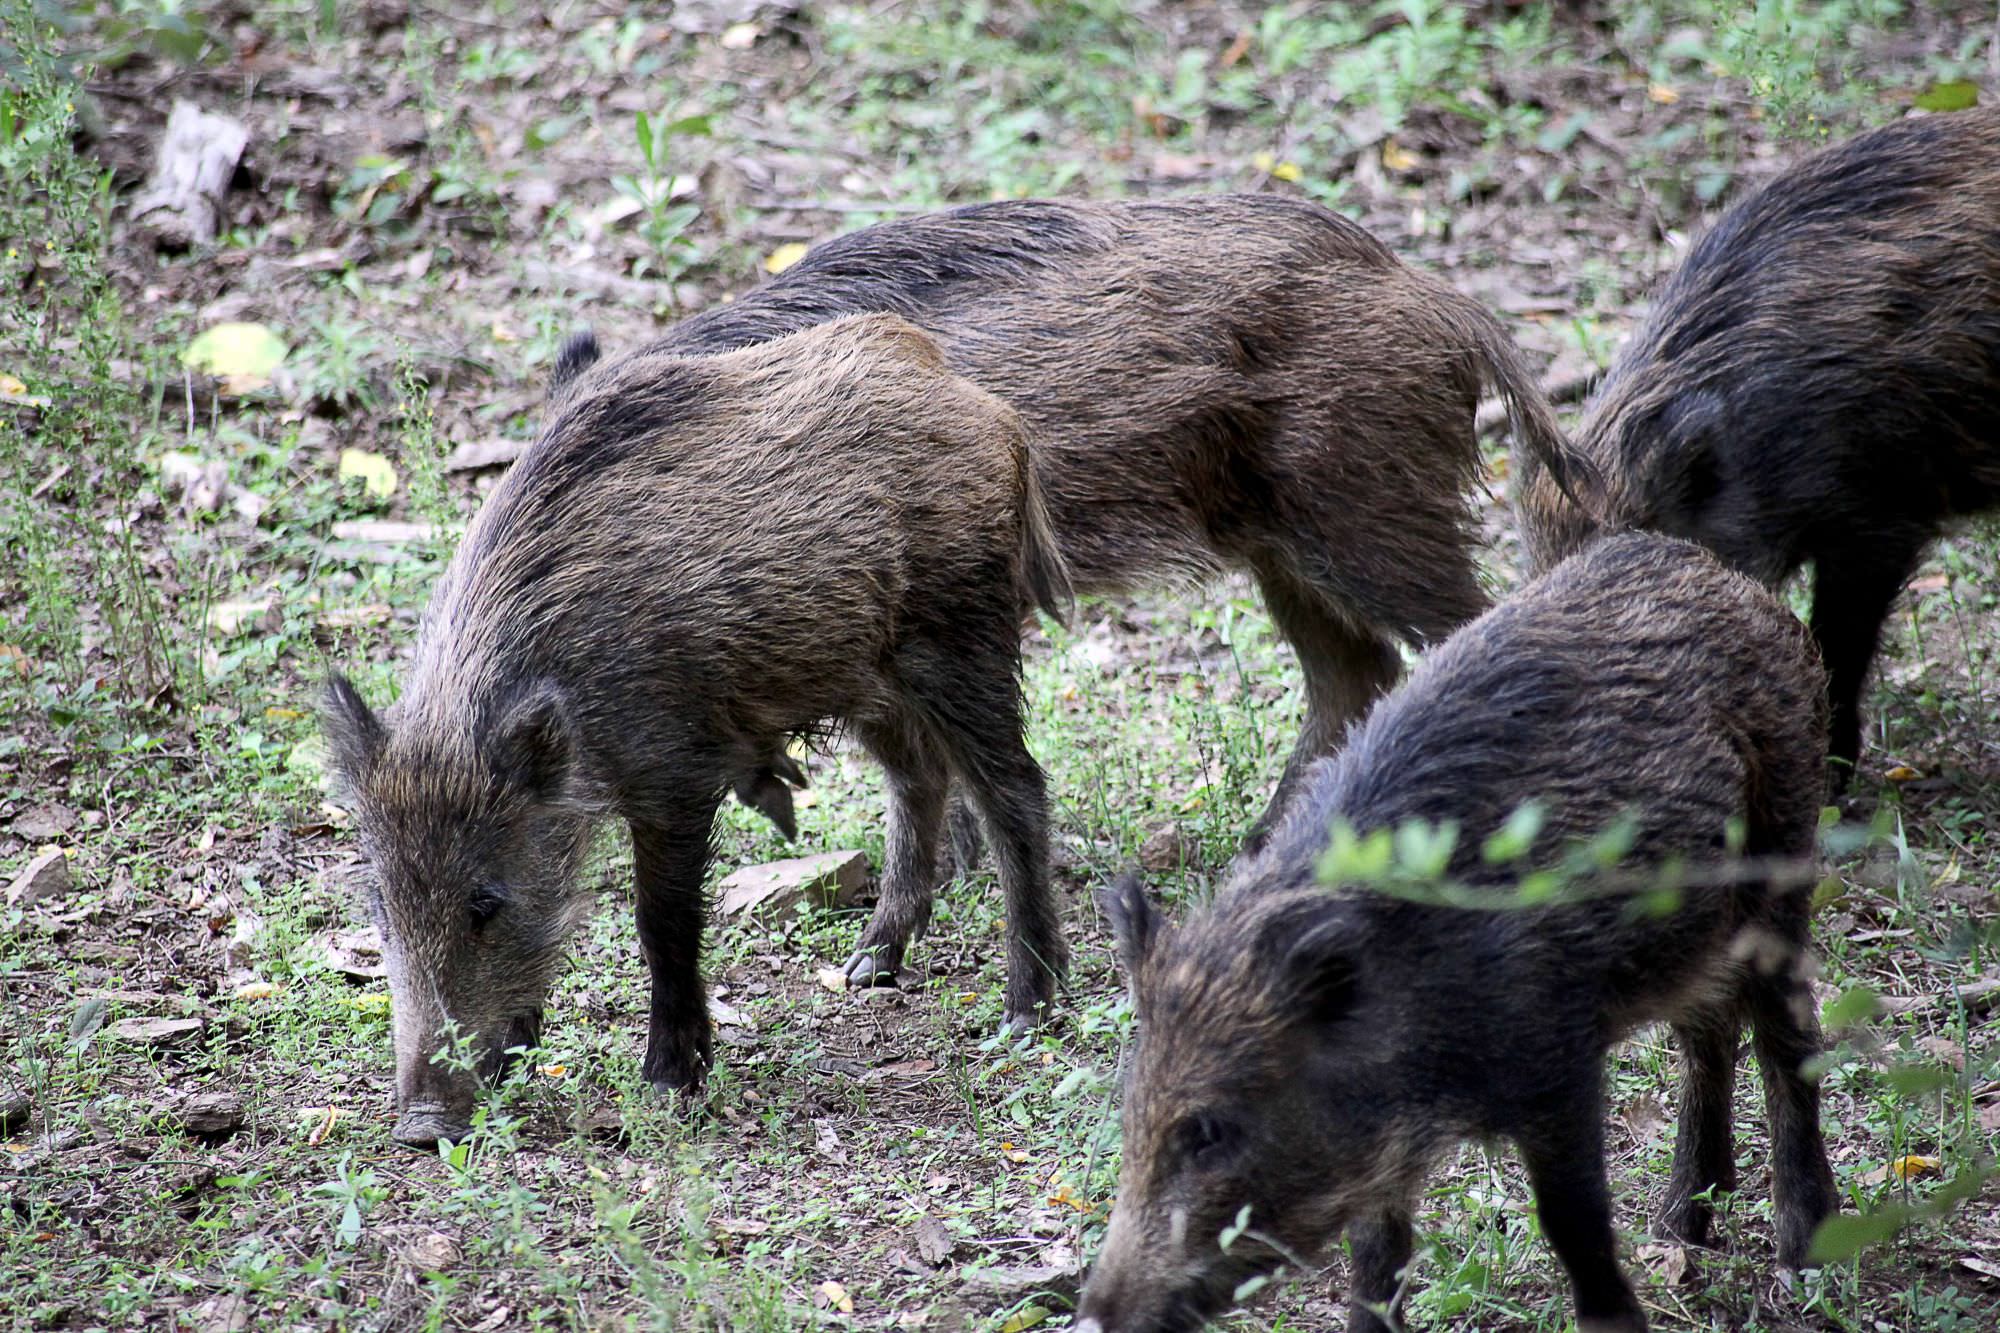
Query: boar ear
(579,353)
(1320,968)
(1134,923)
(353,732)
(537,750)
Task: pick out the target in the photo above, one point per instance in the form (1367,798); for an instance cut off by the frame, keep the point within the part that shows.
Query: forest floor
(195,1090)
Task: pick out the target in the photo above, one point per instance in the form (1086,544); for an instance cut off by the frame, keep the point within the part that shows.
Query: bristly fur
(1336,1041)
(1818,382)
(698,559)
(1228,382)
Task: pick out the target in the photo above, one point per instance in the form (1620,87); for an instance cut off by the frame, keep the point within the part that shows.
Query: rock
(830,879)
(214,1114)
(1164,849)
(474,455)
(154,1031)
(432,1252)
(15,1110)
(386,530)
(935,1241)
(44,823)
(226,1312)
(1006,1285)
(47,876)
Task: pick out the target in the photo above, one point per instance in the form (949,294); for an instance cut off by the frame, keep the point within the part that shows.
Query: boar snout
(422,1124)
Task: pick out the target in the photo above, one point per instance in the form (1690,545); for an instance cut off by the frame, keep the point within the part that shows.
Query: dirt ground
(195,1095)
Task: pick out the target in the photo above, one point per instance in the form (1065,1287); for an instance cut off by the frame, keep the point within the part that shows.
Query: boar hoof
(1020,1022)
(422,1125)
(868,968)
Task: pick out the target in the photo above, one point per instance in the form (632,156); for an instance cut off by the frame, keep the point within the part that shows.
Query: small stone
(44,823)
(830,879)
(212,1114)
(44,877)
(1164,849)
(154,1031)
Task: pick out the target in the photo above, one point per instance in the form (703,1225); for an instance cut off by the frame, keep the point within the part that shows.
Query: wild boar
(1308,1052)
(1817,383)
(699,558)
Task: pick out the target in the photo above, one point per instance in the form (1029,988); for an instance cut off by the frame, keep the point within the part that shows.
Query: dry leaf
(235,348)
(786,255)
(833,979)
(1902,773)
(11,387)
(741,36)
(1395,157)
(377,473)
(830,1295)
(934,1241)
(1662,94)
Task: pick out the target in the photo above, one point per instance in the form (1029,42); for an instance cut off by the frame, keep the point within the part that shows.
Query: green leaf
(1516,836)
(1843,1236)
(642,125)
(1854,1005)
(236,348)
(1234,1231)
(701,124)
(1955,95)
(1912,1081)
(1028,1316)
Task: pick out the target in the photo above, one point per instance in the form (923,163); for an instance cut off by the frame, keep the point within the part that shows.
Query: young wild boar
(1309,1052)
(1230,382)
(1818,383)
(699,558)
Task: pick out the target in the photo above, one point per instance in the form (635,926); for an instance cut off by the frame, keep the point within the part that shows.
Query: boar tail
(1044,575)
(1529,414)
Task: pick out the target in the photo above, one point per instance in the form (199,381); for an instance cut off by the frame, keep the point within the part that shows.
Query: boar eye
(485,904)
(1206,1140)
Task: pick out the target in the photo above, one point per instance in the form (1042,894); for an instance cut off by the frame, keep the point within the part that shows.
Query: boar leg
(1346,668)
(1565,1161)
(1786,1033)
(670,859)
(917,780)
(1382,1245)
(976,712)
(1854,586)
(967,845)
(1704,1155)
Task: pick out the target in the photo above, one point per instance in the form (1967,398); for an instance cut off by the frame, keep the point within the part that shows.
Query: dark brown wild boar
(699,558)
(1818,383)
(1227,382)
(1308,1052)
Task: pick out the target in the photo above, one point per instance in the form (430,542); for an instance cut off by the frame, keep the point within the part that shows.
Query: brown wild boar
(1226,382)
(1308,1052)
(699,558)
(1818,383)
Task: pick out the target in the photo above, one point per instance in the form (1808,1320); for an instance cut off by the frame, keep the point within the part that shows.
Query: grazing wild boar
(698,559)
(1309,1052)
(1230,382)
(1818,383)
